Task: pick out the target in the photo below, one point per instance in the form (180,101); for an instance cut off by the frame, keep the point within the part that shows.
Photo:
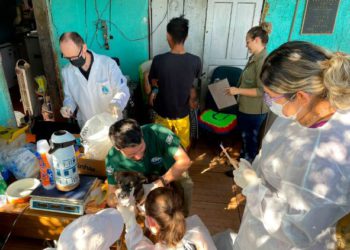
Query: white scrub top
(305,187)
(106,84)
(196,234)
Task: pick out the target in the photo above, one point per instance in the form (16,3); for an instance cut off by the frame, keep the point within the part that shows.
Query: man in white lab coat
(92,83)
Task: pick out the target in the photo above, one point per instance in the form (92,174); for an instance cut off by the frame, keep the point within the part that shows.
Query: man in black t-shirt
(171,76)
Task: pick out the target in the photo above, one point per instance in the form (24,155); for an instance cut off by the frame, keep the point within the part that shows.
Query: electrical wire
(13,225)
(86,29)
(94,37)
(118,29)
(96,10)
(142,38)
(293,20)
(110,15)
(51,21)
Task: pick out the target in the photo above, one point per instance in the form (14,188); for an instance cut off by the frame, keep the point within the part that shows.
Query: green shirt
(250,78)
(161,146)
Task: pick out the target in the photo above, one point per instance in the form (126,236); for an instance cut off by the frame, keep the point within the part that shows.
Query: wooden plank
(213,199)
(33,223)
(216,217)
(43,22)
(213,183)
(20,243)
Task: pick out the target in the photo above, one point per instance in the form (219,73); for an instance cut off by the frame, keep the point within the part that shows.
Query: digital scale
(54,206)
(72,202)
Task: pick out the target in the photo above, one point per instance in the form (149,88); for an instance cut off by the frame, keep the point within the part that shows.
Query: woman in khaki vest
(252,109)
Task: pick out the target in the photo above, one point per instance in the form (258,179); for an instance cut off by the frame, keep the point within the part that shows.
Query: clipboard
(217,91)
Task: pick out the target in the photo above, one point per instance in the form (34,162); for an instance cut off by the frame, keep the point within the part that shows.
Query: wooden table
(33,223)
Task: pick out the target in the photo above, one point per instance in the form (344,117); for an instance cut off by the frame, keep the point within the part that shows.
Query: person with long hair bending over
(165,219)
(298,186)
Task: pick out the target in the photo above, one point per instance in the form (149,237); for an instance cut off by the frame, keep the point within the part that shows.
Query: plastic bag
(225,240)
(21,162)
(94,136)
(3,185)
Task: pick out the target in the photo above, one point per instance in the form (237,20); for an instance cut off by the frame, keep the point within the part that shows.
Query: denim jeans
(250,125)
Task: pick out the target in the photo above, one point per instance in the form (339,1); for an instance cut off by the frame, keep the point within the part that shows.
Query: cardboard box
(91,167)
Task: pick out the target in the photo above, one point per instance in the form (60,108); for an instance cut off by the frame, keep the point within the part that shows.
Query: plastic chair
(223,121)
(144,69)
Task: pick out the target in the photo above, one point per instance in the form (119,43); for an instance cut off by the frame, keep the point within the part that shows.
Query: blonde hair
(301,66)
(165,205)
(262,31)
(336,76)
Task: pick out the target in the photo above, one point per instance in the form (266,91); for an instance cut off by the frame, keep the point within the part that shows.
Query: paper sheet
(217,90)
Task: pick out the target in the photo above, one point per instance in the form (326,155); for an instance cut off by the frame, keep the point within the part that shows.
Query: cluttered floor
(215,197)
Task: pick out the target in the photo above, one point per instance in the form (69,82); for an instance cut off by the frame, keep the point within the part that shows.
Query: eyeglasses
(268,99)
(73,57)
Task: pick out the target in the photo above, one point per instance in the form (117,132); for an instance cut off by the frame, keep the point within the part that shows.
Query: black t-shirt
(87,73)
(175,74)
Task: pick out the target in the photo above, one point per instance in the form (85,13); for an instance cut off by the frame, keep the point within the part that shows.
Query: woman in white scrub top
(299,184)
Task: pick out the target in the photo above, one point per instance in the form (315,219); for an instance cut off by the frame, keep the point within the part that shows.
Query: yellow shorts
(181,127)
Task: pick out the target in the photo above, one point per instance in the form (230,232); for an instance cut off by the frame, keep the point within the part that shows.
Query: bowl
(19,191)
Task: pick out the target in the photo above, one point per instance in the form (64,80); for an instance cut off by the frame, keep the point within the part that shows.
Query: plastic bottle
(3,185)
(46,173)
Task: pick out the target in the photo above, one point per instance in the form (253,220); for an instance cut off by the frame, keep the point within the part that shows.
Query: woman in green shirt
(252,109)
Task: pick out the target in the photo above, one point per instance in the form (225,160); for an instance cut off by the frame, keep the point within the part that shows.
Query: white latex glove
(128,214)
(66,112)
(245,176)
(115,111)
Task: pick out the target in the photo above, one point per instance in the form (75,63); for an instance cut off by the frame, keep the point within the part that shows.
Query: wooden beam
(50,62)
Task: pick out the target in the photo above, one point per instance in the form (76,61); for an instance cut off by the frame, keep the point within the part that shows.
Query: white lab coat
(106,85)
(196,234)
(305,187)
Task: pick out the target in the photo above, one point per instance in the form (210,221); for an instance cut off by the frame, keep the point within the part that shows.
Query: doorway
(226,26)
(162,11)
(216,34)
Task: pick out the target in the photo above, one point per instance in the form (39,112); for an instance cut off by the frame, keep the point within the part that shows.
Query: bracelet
(161,178)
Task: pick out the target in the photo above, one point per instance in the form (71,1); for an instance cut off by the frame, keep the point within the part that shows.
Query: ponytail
(336,78)
(262,31)
(165,206)
(174,230)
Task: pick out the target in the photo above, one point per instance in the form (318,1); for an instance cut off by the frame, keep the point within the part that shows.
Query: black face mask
(79,62)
